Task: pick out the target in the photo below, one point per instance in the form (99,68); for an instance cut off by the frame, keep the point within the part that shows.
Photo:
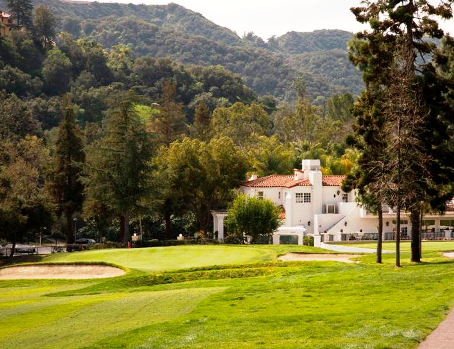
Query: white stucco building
(315,205)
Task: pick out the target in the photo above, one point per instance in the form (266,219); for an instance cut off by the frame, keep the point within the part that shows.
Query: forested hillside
(98,121)
(171,31)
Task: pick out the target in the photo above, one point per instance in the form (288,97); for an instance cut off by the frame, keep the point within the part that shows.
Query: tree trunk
(140,228)
(204,223)
(398,237)
(122,229)
(168,221)
(415,237)
(380,235)
(127,235)
(69,226)
(13,246)
(420,231)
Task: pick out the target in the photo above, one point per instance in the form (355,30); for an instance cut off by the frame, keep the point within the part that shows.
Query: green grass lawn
(262,303)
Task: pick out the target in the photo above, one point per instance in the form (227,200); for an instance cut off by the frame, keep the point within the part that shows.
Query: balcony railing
(441,235)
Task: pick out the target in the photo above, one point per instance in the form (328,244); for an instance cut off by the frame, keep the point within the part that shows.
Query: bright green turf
(316,305)
(74,322)
(179,257)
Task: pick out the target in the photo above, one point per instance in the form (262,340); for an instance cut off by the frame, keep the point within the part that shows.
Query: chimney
(298,174)
(253,177)
(309,166)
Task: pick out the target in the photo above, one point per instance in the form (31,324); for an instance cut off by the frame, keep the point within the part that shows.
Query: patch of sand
(449,254)
(59,272)
(298,257)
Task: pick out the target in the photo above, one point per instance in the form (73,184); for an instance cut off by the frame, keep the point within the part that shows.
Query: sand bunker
(449,254)
(60,272)
(298,257)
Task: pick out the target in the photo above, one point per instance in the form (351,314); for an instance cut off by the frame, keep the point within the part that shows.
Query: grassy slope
(74,322)
(295,305)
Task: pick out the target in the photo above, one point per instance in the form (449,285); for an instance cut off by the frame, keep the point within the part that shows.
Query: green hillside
(185,36)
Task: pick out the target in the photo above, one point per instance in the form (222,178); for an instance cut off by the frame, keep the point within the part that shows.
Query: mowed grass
(79,321)
(179,257)
(260,304)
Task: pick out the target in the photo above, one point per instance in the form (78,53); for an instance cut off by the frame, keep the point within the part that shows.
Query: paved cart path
(349,249)
(442,337)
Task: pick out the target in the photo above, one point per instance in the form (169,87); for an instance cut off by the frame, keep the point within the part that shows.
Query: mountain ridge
(172,31)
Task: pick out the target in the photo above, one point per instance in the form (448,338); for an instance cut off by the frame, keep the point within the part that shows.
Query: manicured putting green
(170,258)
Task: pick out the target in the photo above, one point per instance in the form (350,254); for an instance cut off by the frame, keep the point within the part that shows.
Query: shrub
(308,241)
(252,216)
(233,240)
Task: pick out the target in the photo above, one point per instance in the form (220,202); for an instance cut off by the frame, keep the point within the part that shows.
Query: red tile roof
(288,181)
(332,180)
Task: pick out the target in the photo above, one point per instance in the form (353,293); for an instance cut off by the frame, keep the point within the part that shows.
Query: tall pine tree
(22,11)
(170,123)
(118,166)
(66,184)
(407,29)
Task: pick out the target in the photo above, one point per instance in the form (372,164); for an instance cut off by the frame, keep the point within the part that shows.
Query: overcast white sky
(274,17)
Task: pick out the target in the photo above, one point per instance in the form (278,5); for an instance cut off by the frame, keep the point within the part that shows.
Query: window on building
(260,195)
(303,197)
(446,224)
(299,198)
(330,209)
(279,195)
(344,197)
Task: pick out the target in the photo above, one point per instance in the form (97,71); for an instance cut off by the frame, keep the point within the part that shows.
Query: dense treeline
(174,32)
(129,144)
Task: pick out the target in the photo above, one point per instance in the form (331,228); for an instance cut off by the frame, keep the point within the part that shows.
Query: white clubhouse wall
(348,218)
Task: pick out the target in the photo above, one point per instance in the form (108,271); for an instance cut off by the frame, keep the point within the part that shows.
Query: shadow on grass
(21,259)
(138,279)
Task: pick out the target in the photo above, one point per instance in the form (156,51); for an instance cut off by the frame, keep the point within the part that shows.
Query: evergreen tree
(44,25)
(118,166)
(403,30)
(368,177)
(22,11)
(169,124)
(66,182)
(202,122)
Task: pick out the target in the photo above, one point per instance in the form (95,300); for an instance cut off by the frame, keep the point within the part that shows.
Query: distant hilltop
(270,67)
(77,2)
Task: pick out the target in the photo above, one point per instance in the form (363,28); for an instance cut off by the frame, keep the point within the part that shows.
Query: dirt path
(449,254)
(292,257)
(59,272)
(350,249)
